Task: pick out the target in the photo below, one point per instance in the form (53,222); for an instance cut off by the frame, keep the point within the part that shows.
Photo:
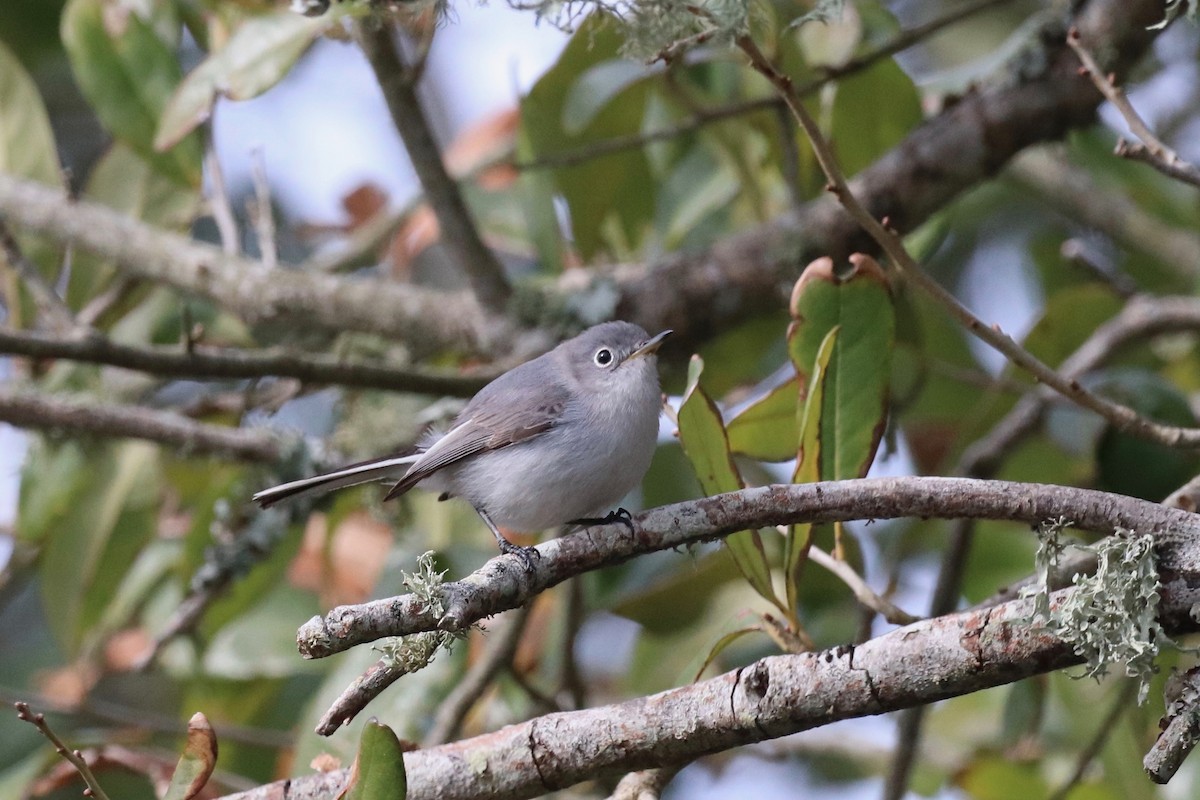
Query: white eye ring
(603,357)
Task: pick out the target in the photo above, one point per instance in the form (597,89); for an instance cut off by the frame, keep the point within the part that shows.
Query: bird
(557,440)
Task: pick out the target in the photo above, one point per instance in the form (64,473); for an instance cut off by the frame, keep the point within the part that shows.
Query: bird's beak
(650,346)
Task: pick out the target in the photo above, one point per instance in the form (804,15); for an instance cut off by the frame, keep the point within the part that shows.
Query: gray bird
(559,439)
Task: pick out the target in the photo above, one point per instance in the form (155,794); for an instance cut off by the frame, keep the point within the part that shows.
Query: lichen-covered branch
(919,664)
(424,318)
(505,583)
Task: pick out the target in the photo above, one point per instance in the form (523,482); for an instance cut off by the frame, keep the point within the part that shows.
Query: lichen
(1111,617)
(407,654)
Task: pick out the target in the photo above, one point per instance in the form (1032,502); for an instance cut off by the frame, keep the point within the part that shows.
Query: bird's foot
(526,554)
(619,516)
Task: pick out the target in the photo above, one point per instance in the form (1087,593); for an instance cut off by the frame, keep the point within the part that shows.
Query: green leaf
(26,140)
(681,595)
(854,408)
(128,73)
(808,460)
(702,435)
(698,186)
(595,89)
(197,762)
(998,778)
(256,57)
(92,541)
(378,771)
(611,199)
(124,181)
(536,192)
(766,429)
(1128,465)
(873,111)
(27,150)
(721,644)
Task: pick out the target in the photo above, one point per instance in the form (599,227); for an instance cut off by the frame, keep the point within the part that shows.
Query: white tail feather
(383,469)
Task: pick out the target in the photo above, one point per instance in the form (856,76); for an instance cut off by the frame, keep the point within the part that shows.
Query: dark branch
(226,363)
(459,233)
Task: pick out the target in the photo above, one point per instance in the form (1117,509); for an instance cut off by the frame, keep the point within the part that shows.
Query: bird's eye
(603,357)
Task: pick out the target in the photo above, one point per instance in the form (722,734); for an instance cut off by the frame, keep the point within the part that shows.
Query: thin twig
(647,784)
(458,231)
(618,144)
(1153,152)
(74,757)
(862,592)
(1122,417)
(262,211)
(502,646)
(56,312)
(218,202)
(58,414)
(1179,170)
(215,363)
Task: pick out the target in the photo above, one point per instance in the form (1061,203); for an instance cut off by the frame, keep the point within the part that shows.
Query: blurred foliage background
(113,537)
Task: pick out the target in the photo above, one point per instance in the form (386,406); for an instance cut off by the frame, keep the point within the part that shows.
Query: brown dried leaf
(125,649)
(197,762)
(346,571)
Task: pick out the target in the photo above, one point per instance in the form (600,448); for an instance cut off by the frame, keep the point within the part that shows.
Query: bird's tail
(377,470)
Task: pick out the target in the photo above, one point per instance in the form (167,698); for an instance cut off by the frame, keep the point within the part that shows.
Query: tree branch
(501,647)
(228,363)
(1180,727)
(1122,417)
(459,233)
(1141,317)
(41,411)
(1153,151)
(776,696)
(73,757)
(504,583)
(426,319)
(1072,192)
(1037,97)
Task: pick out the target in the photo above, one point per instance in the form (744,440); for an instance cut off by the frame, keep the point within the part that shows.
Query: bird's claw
(525,554)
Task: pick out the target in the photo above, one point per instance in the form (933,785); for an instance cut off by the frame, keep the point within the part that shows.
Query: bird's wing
(521,414)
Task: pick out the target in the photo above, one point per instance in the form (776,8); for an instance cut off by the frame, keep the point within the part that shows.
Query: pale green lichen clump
(407,654)
(1110,617)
